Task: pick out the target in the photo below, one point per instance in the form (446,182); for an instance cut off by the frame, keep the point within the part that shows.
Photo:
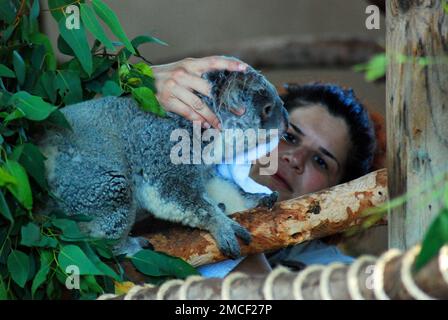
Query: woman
(330,139)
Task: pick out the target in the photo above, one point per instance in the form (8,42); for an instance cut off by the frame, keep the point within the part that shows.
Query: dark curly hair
(340,103)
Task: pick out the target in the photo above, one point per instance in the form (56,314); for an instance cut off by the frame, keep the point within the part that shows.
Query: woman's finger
(199,66)
(180,108)
(188,80)
(192,100)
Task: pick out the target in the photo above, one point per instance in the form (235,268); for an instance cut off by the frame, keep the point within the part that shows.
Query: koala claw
(132,245)
(268,201)
(225,237)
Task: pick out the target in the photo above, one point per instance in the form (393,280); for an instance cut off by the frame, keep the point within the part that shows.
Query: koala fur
(115,164)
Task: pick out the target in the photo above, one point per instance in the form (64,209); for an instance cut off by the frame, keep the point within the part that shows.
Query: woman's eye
(321,162)
(290,138)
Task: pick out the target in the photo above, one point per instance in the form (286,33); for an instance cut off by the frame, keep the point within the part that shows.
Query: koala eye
(238,110)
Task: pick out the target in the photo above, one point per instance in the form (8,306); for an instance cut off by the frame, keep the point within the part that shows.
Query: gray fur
(115,164)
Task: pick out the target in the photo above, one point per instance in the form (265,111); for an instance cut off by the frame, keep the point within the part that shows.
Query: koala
(115,166)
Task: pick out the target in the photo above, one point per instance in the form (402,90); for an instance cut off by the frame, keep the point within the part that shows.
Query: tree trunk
(416,112)
(290,222)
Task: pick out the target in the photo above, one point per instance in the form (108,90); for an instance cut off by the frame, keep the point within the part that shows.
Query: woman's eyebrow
(321,149)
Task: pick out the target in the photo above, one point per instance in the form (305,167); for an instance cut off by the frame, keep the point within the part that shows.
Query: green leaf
(68,84)
(47,81)
(110,19)
(73,255)
(32,237)
(46,259)
(7,11)
(34,11)
(6,72)
(6,178)
(57,8)
(147,100)
(18,266)
(22,190)
(33,161)
(435,238)
(98,263)
(111,88)
(137,41)
(33,107)
(70,229)
(19,67)
(42,39)
(16,114)
(77,40)
(63,47)
(154,263)
(3,290)
(92,24)
(144,69)
(57,118)
(4,208)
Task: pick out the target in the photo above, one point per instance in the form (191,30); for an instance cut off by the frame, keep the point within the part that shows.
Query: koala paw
(132,245)
(225,236)
(268,201)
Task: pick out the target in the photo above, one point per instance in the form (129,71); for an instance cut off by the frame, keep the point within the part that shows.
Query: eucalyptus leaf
(21,190)
(33,161)
(111,88)
(46,259)
(77,40)
(7,11)
(111,20)
(19,67)
(158,264)
(435,238)
(139,40)
(68,85)
(42,39)
(34,11)
(33,107)
(32,237)
(18,265)
(70,229)
(57,118)
(92,24)
(147,100)
(73,255)
(6,72)
(4,208)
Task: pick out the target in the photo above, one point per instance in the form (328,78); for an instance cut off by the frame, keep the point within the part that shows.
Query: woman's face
(312,156)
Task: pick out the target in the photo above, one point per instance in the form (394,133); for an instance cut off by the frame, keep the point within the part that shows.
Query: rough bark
(289,222)
(416,111)
(296,51)
(368,278)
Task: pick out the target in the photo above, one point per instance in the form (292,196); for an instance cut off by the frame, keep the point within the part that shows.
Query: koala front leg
(189,206)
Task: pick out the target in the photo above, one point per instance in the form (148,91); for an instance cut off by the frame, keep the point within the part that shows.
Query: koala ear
(217,79)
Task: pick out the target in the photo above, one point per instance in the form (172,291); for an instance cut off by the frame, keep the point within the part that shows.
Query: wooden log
(416,111)
(295,51)
(312,216)
(366,278)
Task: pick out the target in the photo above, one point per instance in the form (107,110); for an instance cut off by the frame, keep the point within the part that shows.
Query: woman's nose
(295,160)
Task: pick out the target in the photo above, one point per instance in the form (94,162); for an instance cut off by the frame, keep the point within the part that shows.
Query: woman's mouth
(281,182)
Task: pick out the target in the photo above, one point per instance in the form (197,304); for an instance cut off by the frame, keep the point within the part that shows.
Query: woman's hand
(176,81)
